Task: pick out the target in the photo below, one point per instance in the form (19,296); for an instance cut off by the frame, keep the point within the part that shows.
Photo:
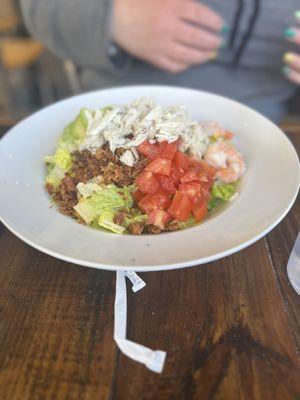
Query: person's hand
(292,60)
(170,34)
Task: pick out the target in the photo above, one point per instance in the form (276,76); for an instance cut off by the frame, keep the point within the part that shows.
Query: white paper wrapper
(154,360)
(293,266)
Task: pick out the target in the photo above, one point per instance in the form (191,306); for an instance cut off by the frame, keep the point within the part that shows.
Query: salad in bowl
(142,168)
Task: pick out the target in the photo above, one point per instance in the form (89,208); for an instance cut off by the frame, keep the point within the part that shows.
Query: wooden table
(231,328)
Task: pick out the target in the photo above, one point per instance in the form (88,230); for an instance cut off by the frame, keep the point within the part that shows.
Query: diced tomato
(208,169)
(192,175)
(150,202)
(166,183)
(146,204)
(149,150)
(228,135)
(194,163)
(200,211)
(159,218)
(176,173)
(205,191)
(181,207)
(192,190)
(162,199)
(137,195)
(146,182)
(167,150)
(204,178)
(181,160)
(161,166)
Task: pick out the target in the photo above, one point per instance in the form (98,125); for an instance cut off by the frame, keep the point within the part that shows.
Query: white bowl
(268,191)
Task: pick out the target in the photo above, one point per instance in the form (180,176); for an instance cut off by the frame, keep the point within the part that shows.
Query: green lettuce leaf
(106,220)
(135,216)
(223,191)
(107,198)
(214,203)
(75,132)
(57,166)
(61,158)
(55,176)
(187,224)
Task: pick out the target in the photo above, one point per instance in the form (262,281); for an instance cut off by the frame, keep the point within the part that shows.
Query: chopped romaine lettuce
(106,220)
(223,191)
(100,204)
(75,132)
(58,165)
(61,158)
(54,176)
(214,203)
(108,197)
(136,216)
(187,224)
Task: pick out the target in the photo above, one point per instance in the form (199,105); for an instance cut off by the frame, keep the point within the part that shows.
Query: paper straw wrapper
(152,359)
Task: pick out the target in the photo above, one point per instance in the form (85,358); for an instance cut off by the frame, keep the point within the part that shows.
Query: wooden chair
(9,17)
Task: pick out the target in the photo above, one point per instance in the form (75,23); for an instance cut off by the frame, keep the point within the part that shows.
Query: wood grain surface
(231,328)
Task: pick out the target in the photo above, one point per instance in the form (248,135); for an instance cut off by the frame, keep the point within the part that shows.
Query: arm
(172,35)
(72,29)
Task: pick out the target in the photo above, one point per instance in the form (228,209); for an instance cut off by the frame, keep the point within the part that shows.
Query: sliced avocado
(76,130)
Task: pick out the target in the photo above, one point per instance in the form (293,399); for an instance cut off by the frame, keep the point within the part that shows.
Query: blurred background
(31,77)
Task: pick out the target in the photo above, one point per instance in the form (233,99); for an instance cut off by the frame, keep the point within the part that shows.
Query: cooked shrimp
(228,161)
(215,129)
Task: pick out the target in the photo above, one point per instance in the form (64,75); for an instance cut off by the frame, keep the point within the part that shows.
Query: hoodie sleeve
(77,30)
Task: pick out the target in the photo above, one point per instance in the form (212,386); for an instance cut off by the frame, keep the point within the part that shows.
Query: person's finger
(190,55)
(293,35)
(197,37)
(292,60)
(200,14)
(292,74)
(166,64)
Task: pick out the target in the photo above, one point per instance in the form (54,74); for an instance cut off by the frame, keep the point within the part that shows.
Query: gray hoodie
(248,68)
